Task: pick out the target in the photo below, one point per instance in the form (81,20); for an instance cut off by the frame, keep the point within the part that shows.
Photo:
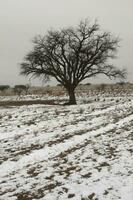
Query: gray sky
(21,20)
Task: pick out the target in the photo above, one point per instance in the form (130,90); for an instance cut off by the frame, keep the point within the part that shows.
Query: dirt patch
(28,102)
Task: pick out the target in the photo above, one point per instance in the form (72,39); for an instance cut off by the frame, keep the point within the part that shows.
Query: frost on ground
(81,152)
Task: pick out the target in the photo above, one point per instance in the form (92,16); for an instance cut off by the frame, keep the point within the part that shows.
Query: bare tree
(73,54)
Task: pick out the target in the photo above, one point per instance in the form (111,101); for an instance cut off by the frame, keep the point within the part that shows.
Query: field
(54,152)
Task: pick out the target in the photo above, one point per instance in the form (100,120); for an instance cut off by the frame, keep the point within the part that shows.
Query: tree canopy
(72,55)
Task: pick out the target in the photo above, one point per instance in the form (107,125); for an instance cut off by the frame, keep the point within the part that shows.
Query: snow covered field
(81,152)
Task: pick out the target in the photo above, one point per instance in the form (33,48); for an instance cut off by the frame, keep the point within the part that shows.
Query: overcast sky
(21,20)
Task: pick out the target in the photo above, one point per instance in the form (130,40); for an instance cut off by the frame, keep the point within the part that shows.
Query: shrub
(19,89)
(87,83)
(3,88)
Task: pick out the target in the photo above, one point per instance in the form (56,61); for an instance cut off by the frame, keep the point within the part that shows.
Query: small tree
(3,88)
(19,89)
(72,55)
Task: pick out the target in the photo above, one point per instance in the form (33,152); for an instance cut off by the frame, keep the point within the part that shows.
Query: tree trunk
(72,99)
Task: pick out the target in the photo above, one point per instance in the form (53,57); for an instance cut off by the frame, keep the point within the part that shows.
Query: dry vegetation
(59,91)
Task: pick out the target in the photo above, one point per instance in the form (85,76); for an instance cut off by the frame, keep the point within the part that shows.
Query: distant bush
(19,89)
(59,85)
(87,83)
(121,83)
(3,88)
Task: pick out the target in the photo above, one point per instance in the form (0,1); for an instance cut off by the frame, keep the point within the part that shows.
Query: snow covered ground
(81,152)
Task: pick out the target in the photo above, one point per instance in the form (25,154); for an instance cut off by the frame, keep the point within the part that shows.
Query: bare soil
(29,102)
